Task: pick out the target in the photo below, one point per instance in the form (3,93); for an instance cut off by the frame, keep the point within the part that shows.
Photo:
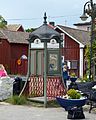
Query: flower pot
(70,103)
(73,79)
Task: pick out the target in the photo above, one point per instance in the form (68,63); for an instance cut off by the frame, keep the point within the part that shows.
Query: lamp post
(90,11)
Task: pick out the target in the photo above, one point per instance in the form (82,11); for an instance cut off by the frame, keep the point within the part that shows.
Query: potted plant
(72,102)
(73,94)
(73,77)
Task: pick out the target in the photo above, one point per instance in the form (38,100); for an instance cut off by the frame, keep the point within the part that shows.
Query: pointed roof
(14,36)
(14,27)
(79,36)
(44,32)
(82,24)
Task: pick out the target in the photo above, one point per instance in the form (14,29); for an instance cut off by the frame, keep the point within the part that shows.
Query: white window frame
(63,37)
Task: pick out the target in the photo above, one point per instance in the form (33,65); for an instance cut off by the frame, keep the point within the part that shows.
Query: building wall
(10,53)
(17,50)
(84,27)
(71,53)
(71,49)
(5,53)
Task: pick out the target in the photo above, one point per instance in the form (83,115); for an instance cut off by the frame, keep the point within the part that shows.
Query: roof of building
(79,35)
(14,27)
(14,36)
(82,24)
(45,32)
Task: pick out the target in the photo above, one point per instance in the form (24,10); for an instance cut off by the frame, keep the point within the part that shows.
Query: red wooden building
(74,43)
(14,46)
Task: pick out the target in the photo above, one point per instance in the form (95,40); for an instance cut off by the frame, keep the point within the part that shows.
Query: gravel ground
(15,112)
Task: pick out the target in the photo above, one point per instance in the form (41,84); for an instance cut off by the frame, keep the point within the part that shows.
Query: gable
(15,27)
(80,36)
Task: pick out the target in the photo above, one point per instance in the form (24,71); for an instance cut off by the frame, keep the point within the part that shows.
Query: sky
(30,13)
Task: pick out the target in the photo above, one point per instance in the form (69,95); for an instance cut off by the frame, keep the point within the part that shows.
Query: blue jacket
(65,75)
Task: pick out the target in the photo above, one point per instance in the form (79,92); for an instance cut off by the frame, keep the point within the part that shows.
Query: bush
(73,94)
(16,100)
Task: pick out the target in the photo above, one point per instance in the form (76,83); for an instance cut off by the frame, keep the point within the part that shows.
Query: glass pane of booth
(37,61)
(33,63)
(54,62)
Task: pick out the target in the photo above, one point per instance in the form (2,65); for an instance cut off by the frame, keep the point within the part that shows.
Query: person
(3,72)
(65,75)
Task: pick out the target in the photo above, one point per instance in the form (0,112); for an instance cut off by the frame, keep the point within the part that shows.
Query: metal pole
(91,52)
(45,75)
(91,40)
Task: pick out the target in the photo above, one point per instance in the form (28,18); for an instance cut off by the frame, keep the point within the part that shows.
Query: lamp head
(84,17)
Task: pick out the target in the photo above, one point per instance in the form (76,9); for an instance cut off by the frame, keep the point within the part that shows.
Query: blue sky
(29,13)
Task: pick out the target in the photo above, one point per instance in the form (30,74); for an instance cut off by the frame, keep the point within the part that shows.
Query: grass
(16,100)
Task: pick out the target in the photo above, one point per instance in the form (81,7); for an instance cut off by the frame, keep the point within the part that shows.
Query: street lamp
(90,11)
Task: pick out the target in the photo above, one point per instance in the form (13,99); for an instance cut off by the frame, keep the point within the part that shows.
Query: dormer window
(37,41)
(53,41)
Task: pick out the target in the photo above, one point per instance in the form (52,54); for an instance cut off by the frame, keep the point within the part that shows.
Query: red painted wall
(71,49)
(17,50)
(21,29)
(5,53)
(10,53)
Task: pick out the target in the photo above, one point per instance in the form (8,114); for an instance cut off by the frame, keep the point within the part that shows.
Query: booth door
(37,63)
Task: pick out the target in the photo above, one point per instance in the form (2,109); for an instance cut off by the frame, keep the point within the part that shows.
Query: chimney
(52,23)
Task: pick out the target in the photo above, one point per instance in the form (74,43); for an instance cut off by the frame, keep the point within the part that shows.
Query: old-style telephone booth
(44,62)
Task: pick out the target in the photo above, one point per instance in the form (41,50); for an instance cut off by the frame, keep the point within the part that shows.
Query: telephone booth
(44,63)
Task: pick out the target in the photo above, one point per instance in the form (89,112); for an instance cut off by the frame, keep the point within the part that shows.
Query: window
(63,37)
(36,67)
(53,62)
(72,64)
(88,28)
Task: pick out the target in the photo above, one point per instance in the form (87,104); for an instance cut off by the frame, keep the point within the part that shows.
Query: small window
(63,37)
(88,28)
(74,64)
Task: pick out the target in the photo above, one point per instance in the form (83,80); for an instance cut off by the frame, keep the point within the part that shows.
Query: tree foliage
(3,22)
(30,29)
(87,53)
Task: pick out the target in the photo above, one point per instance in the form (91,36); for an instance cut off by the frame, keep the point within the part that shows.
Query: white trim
(81,45)
(81,63)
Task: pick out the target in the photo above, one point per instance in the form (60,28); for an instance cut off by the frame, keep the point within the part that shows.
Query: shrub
(73,94)
(16,100)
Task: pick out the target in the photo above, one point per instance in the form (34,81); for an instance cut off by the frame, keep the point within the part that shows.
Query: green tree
(87,54)
(3,22)
(30,29)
